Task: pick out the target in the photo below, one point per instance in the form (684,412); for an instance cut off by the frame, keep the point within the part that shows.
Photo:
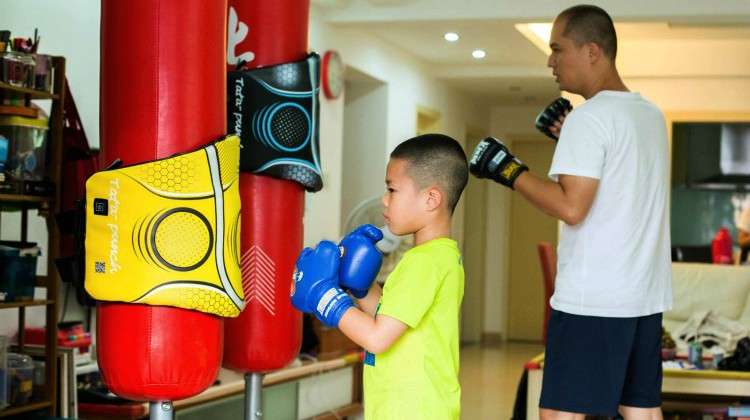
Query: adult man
(743,234)
(609,186)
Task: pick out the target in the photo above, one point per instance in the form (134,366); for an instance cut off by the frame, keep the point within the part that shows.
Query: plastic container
(20,378)
(18,69)
(3,372)
(43,72)
(17,275)
(27,146)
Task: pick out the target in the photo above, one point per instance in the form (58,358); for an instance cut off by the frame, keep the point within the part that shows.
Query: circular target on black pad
(290,127)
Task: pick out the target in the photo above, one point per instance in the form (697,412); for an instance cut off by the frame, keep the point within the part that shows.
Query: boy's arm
(369,303)
(374,334)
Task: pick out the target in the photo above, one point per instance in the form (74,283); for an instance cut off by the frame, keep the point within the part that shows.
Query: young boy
(410,328)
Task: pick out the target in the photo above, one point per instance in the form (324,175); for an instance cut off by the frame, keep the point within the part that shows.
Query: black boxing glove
(547,118)
(493,160)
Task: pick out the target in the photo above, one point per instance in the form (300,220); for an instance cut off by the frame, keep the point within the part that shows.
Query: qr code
(99,267)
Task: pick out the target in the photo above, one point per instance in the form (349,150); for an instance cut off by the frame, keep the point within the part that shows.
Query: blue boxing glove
(360,260)
(315,289)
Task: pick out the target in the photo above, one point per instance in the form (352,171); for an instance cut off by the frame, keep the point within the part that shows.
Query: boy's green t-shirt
(417,378)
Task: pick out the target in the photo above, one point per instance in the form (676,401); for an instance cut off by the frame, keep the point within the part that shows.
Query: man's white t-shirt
(616,262)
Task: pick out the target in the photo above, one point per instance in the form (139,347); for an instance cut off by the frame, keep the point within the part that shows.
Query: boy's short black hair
(436,158)
(586,23)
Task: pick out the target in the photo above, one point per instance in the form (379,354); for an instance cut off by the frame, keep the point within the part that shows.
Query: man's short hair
(436,159)
(586,23)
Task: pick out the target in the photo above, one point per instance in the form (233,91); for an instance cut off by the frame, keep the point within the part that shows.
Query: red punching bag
(267,335)
(163,91)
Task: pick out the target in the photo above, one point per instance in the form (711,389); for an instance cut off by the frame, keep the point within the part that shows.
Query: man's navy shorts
(595,364)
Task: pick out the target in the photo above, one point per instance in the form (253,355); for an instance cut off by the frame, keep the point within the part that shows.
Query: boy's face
(403,201)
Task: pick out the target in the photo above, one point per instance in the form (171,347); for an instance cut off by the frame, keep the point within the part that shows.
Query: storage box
(17,274)
(20,378)
(27,146)
(18,69)
(332,343)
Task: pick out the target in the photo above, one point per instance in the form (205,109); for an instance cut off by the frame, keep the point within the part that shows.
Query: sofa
(723,289)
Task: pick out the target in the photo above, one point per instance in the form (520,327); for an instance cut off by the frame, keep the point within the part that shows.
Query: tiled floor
(489,378)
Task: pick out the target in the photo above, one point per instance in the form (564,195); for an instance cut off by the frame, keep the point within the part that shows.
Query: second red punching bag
(267,335)
(163,91)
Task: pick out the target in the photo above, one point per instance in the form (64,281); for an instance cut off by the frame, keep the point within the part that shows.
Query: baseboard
(491,338)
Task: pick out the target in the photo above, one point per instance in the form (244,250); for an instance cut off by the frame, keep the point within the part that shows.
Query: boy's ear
(434,198)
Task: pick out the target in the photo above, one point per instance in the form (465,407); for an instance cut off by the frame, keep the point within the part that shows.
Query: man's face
(569,62)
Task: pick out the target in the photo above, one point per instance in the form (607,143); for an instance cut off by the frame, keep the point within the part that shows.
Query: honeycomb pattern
(182,239)
(305,176)
(229,161)
(286,76)
(207,301)
(289,127)
(175,175)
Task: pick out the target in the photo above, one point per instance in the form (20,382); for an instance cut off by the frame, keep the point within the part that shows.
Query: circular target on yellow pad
(182,239)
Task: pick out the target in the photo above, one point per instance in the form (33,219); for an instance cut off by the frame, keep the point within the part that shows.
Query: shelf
(12,411)
(24,303)
(21,198)
(87,368)
(21,91)
(48,205)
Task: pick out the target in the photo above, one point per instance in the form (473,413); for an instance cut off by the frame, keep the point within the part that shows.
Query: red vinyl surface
(268,333)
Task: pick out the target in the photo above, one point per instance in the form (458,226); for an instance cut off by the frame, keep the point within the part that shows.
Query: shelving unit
(47,207)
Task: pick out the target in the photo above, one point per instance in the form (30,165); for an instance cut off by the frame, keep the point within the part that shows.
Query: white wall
(363,143)
(68,28)
(695,94)
(409,83)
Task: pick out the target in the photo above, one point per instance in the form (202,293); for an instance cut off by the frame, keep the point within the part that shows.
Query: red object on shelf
(72,337)
(721,247)
(121,411)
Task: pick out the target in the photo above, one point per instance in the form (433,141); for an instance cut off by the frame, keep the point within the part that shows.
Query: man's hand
(551,119)
(493,160)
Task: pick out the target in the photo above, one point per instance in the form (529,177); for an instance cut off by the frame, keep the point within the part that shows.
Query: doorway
(474,246)
(528,227)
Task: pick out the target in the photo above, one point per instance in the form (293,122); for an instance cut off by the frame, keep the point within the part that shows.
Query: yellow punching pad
(167,232)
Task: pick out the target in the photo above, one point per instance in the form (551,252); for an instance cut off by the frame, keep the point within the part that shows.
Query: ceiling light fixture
(538,33)
(478,54)
(451,36)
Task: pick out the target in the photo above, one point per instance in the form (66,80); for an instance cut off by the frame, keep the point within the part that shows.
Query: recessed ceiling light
(451,36)
(478,54)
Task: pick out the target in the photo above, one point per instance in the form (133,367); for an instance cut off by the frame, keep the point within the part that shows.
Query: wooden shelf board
(34,405)
(35,94)
(21,198)
(25,303)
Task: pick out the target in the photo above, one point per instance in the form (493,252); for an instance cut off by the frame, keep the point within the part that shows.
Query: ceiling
(692,40)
